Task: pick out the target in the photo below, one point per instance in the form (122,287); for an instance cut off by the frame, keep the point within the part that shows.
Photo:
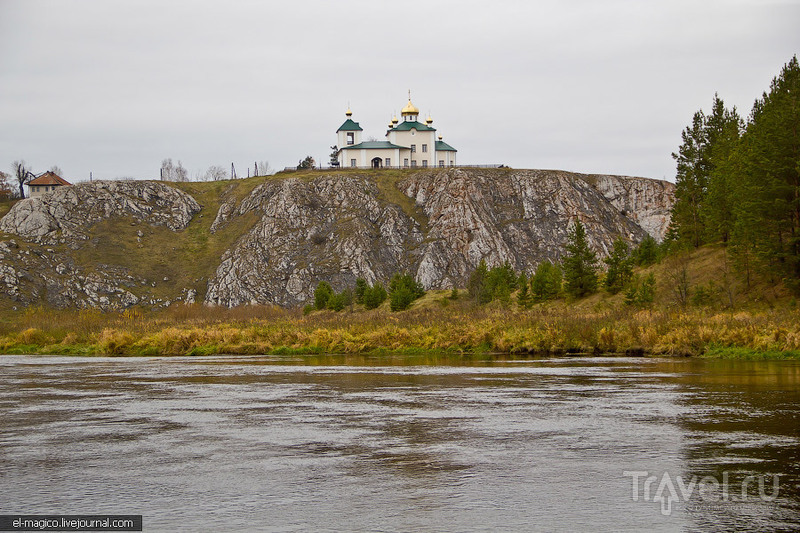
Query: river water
(404,444)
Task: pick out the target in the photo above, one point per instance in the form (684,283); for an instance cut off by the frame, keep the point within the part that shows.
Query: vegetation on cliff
(763,321)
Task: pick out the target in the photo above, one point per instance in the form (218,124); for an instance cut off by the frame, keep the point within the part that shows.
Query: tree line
(579,274)
(738,180)
(403,290)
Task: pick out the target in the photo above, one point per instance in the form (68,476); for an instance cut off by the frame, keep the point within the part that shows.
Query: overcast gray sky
(115,86)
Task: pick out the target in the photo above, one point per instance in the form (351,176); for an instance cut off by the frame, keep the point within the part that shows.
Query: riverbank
(439,326)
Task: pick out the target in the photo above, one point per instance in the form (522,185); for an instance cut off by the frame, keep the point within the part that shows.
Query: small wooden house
(47,182)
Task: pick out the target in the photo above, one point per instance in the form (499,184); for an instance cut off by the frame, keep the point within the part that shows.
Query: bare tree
(263,169)
(170,172)
(56,170)
(5,186)
(23,175)
(216,173)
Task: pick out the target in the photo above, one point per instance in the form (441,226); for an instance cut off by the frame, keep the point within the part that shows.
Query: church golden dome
(348,112)
(409,109)
(429,120)
(394,120)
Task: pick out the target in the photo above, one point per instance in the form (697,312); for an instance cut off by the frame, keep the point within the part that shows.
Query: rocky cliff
(271,240)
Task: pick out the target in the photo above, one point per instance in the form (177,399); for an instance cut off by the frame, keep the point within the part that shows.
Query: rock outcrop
(64,214)
(280,236)
(333,228)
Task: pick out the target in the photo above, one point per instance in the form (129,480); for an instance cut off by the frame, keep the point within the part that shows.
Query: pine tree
(690,183)
(620,267)
(723,130)
(580,263)
(771,172)
(476,285)
(546,282)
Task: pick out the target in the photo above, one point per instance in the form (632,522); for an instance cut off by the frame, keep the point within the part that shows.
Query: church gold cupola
(410,111)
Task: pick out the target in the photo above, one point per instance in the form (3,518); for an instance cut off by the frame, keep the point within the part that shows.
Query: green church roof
(349,125)
(442,146)
(374,145)
(413,124)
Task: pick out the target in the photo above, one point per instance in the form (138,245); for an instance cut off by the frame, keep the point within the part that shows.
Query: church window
(352,162)
(388,162)
(424,148)
(413,162)
(441,162)
(405,162)
(425,163)
(413,148)
(350,138)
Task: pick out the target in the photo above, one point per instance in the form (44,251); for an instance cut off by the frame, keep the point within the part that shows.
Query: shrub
(322,294)
(546,282)
(476,285)
(340,300)
(641,293)
(647,253)
(400,299)
(361,288)
(704,294)
(403,289)
(374,296)
(620,267)
(485,285)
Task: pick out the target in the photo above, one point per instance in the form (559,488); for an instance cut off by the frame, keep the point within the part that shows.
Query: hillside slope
(270,240)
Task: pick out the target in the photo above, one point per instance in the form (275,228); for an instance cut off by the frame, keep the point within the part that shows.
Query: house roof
(407,125)
(49,178)
(442,146)
(349,125)
(374,145)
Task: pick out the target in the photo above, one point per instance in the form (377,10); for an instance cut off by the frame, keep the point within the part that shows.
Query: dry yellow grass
(459,327)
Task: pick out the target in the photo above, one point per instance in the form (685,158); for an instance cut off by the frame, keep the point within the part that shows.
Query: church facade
(409,143)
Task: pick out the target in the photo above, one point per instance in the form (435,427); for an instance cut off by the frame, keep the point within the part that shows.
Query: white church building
(408,144)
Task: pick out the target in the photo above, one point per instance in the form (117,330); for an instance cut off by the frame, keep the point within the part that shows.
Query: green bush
(620,267)
(546,282)
(400,299)
(641,293)
(374,296)
(322,294)
(340,300)
(403,290)
(361,288)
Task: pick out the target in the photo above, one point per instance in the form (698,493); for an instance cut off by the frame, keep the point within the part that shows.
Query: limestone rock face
(520,217)
(271,241)
(38,273)
(64,214)
(333,228)
(647,202)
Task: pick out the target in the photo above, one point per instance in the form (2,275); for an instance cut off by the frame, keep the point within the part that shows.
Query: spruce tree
(620,267)
(580,263)
(546,282)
